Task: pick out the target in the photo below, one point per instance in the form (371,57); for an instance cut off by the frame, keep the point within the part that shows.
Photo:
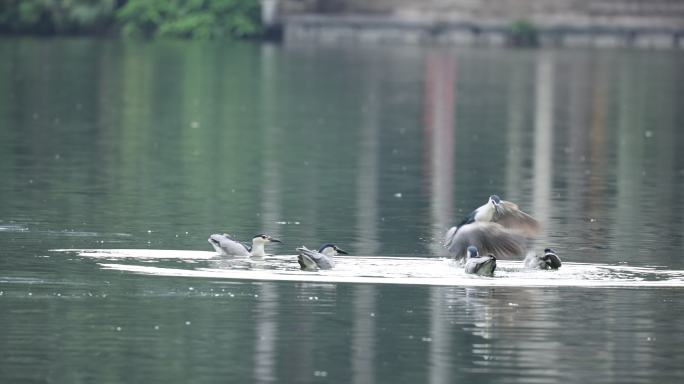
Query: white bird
(498,227)
(310,260)
(226,246)
(479,265)
(549,261)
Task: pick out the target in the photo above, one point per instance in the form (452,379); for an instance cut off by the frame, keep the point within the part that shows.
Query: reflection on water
(156,145)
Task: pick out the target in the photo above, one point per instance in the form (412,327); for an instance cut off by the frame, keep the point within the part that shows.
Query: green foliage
(523,33)
(56,16)
(200,19)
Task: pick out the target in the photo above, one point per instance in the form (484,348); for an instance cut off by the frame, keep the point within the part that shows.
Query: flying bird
(498,227)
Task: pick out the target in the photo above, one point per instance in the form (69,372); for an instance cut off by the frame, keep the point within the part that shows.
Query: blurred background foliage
(200,19)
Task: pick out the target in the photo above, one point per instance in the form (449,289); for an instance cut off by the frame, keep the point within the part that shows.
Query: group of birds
(496,229)
(309,260)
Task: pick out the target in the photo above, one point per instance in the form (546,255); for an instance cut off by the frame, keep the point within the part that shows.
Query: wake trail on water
(428,271)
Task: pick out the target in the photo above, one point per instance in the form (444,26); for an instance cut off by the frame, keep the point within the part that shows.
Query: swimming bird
(226,246)
(479,265)
(310,260)
(549,261)
(498,227)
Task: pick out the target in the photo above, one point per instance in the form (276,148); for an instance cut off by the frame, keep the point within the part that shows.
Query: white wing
(227,246)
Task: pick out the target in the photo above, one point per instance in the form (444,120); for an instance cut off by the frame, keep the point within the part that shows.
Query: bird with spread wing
(498,228)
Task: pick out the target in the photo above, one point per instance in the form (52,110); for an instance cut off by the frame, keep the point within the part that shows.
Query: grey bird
(548,261)
(310,260)
(227,246)
(479,265)
(498,227)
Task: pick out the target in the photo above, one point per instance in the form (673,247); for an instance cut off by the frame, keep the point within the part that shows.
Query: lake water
(137,151)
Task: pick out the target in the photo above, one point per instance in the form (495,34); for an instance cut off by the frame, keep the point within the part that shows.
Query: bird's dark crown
(326,245)
(495,199)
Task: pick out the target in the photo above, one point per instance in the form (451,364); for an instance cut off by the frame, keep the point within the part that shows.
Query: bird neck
(258,249)
(485,213)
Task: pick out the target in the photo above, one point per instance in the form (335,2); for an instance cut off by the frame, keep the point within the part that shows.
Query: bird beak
(342,251)
(274,240)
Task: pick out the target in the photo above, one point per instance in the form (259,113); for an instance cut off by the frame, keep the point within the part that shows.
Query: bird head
(329,249)
(263,239)
(472,251)
(495,201)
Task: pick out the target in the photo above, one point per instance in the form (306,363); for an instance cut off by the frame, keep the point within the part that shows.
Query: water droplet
(156,327)
(398,195)
(188,323)
(320,373)
(191,288)
(512,304)
(118,329)
(426,339)
(194,124)
(372,314)
(149,231)
(648,134)
(256,296)
(30,294)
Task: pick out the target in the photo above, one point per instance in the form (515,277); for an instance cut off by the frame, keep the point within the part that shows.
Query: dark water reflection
(132,145)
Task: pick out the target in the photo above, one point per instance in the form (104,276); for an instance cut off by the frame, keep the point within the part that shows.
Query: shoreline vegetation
(196,19)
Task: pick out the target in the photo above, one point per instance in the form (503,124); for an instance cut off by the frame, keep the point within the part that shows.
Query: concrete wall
(652,13)
(652,23)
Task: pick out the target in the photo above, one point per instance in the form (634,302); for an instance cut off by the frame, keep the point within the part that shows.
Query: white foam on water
(141,254)
(388,270)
